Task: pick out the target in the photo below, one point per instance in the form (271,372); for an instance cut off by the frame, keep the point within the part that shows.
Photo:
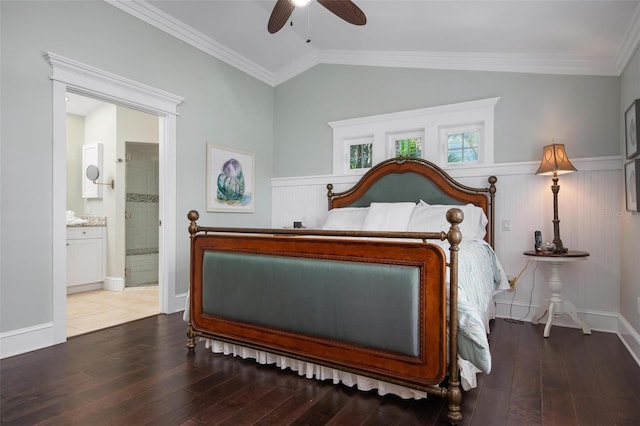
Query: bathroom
(121,204)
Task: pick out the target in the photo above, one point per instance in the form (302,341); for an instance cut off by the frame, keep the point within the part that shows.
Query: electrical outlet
(506,225)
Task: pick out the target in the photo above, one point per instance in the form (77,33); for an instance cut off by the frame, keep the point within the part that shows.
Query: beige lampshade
(554,159)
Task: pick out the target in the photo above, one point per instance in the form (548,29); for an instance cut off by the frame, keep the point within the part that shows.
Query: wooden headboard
(414,179)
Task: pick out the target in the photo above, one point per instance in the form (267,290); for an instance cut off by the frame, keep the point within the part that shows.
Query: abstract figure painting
(230,183)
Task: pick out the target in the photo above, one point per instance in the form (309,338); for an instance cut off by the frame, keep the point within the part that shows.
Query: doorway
(72,76)
(103,301)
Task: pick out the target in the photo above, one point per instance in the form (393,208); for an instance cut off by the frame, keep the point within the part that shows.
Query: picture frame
(632,128)
(632,185)
(230,180)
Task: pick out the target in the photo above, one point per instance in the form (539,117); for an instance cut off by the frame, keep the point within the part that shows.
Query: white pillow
(433,218)
(345,219)
(388,217)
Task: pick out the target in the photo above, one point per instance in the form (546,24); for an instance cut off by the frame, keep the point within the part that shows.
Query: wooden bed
(365,302)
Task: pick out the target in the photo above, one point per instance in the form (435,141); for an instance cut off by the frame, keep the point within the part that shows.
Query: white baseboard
(114,283)
(598,321)
(84,287)
(630,338)
(179,302)
(26,339)
(16,342)
(609,322)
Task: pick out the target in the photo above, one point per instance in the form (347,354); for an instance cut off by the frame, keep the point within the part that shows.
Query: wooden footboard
(375,306)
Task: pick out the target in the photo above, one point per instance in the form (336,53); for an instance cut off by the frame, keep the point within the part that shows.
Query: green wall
(630,267)
(579,111)
(286,127)
(221,105)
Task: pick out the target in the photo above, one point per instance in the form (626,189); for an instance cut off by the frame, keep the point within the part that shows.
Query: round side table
(558,305)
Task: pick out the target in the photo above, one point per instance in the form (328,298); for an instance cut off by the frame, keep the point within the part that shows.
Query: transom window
(462,144)
(360,154)
(406,145)
(462,147)
(455,135)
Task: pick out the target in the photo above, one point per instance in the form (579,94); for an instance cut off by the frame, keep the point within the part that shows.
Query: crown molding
(298,67)
(487,61)
(629,44)
(164,22)
(467,61)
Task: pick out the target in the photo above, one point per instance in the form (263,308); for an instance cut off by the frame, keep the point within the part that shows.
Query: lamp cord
(533,286)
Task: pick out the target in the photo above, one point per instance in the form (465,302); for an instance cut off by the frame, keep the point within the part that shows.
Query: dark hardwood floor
(140,373)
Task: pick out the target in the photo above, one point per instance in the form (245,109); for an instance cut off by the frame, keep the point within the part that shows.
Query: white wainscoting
(590,209)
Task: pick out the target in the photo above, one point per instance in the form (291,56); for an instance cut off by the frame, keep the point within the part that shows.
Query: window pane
(471,139)
(454,157)
(410,147)
(455,141)
(462,147)
(360,156)
(470,154)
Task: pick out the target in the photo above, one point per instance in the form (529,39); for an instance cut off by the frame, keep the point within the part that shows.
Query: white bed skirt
(314,371)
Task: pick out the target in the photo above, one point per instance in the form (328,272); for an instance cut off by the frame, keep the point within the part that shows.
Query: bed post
(454,394)
(492,194)
(193,216)
(329,195)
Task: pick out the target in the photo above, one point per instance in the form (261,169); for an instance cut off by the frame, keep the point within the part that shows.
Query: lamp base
(560,248)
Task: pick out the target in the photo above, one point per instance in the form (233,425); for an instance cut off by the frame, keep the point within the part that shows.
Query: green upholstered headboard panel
(412,180)
(395,188)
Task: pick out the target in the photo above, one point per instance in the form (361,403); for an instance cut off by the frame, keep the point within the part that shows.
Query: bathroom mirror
(92,172)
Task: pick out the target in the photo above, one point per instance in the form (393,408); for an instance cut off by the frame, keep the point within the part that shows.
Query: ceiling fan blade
(346,10)
(280,15)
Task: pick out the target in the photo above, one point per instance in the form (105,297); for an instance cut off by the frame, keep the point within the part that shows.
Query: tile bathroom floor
(93,310)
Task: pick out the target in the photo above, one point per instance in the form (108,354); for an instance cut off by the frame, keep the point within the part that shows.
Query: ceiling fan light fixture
(343,9)
(300,3)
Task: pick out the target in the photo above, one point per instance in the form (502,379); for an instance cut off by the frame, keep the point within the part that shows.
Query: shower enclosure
(142,214)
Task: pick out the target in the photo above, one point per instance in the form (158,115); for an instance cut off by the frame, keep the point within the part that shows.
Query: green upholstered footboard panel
(369,304)
(374,306)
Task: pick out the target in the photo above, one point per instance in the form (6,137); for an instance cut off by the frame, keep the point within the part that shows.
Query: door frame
(75,77)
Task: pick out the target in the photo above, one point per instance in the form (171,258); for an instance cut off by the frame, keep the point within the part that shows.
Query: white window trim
(347,143)
(429,121)
(462,128)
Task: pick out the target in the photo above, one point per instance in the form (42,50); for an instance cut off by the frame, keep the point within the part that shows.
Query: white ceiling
(548,36)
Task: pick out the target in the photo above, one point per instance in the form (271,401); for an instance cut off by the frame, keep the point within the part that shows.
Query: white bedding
(480,278)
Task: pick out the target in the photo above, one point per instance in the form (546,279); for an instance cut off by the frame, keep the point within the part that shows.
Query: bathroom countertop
(90,221)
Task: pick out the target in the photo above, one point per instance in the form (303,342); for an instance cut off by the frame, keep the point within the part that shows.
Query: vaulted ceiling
(549,36)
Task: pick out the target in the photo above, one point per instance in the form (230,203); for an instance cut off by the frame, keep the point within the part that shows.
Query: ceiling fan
(344,9)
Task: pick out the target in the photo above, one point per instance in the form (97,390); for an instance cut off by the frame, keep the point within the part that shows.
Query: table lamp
(555,162)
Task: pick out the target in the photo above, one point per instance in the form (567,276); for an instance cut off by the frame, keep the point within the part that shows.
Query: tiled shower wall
(141,262)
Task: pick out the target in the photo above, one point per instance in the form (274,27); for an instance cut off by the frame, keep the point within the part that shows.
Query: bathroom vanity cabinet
(86,256)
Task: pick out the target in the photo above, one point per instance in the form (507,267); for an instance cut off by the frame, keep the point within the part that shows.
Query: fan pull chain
(309,24)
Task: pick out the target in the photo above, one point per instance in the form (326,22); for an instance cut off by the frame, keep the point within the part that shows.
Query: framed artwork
(230,180)
(632,128)
(632,185)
